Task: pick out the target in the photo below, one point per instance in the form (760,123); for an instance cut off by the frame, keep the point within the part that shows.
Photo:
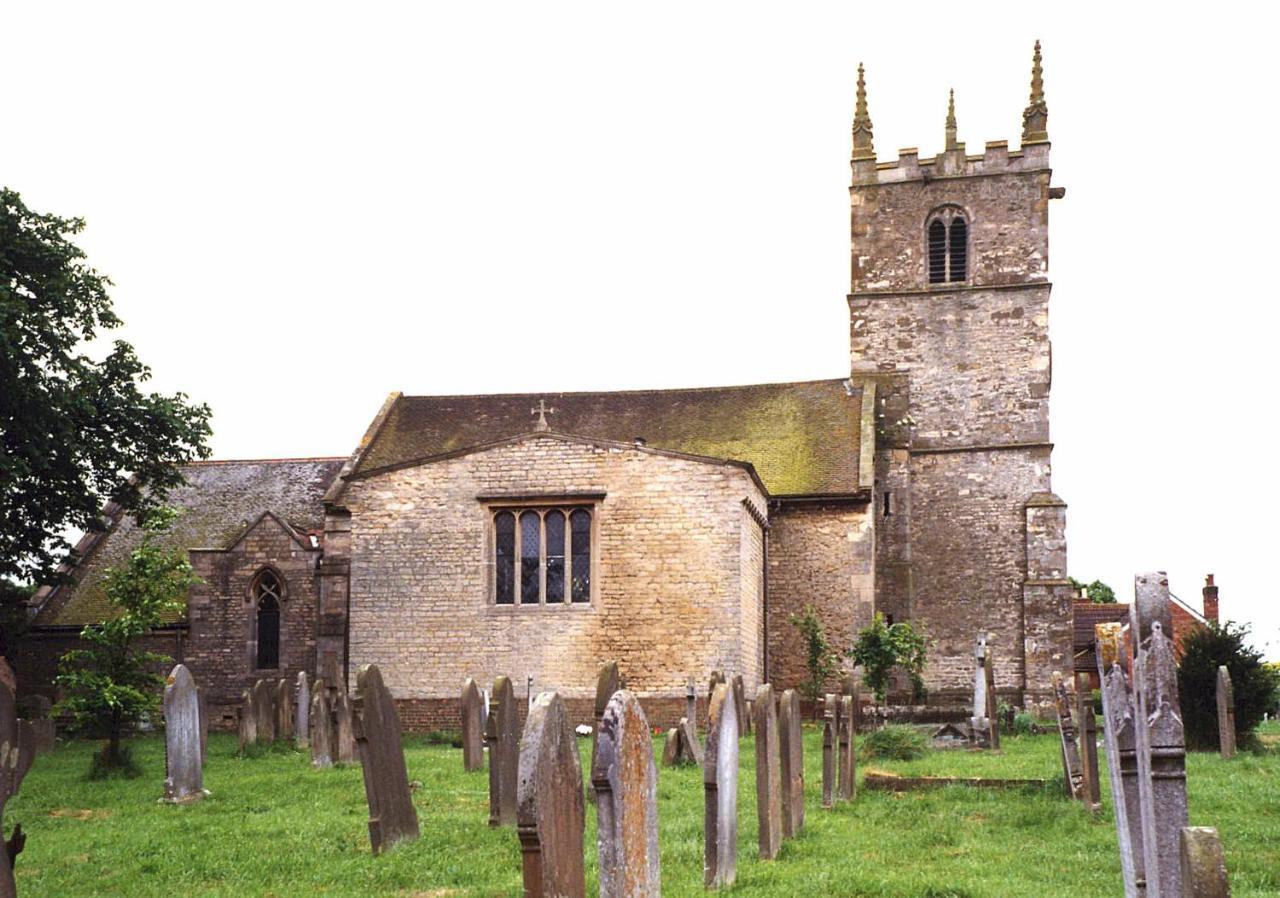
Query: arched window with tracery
(267,593)
(948,246)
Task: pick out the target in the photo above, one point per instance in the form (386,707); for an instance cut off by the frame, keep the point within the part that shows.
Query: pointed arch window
(948,251)
(267,592)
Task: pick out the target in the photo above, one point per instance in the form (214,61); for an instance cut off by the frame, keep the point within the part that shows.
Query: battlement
(997,159)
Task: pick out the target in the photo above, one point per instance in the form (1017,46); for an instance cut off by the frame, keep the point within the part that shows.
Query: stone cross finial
(1035,118)
(862,144)
(541,411)
(952,143)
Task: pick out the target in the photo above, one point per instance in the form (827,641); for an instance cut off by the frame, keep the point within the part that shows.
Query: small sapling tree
(881,647)
(110,684)
(820,658)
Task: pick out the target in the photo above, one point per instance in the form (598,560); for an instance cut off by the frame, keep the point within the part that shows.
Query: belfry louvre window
(267,592)
(948,237)
(542,556)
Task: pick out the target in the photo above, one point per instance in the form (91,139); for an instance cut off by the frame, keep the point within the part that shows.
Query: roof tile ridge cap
(647,390)
(213,462)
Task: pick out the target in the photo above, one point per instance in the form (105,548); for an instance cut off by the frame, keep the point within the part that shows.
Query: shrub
(820,660)
(895,742)
(444,737)
(1253,683)
(1024,724)
(881,647)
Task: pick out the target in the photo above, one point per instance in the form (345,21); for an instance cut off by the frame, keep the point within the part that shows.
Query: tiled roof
(1085,616)
(801,438)
(218,500)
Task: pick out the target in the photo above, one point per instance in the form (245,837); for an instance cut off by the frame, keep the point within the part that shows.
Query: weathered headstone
(740,705)
(503,739)
(392,818)
(183,760)
(993,713)
(608,681)
(16,754)
(1162,777)
(626,786)
(691,703)
(248,720)
(1226,714)
(284,710)
(690,748)
(1070,746)
(1202,865)
(1119,732)
(264,710)
(550,808)
(472,710)
(717,677)
(830,747)
(720,783)
(1087,726)
(344,730)
(792,757)
(45,732)
(979,723)
(671,748)
(768,773)
(321,720)
(302,712)
(848,749)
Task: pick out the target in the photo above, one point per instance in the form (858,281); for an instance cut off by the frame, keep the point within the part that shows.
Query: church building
(675,531)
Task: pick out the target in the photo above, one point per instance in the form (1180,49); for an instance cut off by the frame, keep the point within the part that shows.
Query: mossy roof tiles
(801,438)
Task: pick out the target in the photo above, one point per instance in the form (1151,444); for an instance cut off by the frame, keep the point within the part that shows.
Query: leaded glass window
(504,526)
(267,592)
(542,555)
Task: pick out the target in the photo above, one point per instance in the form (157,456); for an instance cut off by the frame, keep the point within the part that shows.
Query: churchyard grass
(275,827)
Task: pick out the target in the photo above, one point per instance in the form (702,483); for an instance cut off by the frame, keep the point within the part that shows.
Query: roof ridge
(263,461)
(650,390)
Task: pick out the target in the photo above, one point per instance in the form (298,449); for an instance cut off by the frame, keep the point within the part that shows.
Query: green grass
(275,827)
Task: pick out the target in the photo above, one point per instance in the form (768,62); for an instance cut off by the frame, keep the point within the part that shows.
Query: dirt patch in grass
(80,813)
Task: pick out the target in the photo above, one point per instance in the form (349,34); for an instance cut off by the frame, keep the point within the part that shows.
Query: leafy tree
(881,647)
(75,431)
(1253,683)
(1097,592)
(13,613)
(111,684)
(820,658)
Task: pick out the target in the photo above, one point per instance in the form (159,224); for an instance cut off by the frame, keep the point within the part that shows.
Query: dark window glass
(505,556)
(580,540)
(959,248)
(555,556)
(937,252)
(530,549)
(267,592)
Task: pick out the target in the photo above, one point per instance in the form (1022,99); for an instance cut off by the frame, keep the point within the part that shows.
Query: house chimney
(1210,599)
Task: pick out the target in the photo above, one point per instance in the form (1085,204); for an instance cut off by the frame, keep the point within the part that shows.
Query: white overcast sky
(306,206)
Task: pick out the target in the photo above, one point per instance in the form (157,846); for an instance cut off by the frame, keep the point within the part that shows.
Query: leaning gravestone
(264,711)
(1087,727)
(626,786)
(690,748)
(321,718)
(1119,733)
(503,739)
(550,809)
(1070,746)
(608,681)
(830,746)
(14,763)
(248,720)
(472,710)
(720,784)
(284,710)
(386,781)
(791,750)
(1162,777)
(768,774)
(344,730)
(1203,868)
(1226,714)
(302,712)
(848,746)
(184,778)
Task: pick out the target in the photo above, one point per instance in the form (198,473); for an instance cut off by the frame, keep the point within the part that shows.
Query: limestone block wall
(751,593)
(668,580)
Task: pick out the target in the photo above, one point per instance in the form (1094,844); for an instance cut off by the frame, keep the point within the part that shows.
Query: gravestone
(503,739)
(472,709)
(45,733)
(16,754)
(1202,865)
(690,748)
(302,712)
(183,760)
(993,713)
(717,677)
(284,710)
(322,735)
(264,711)
(248,720)
(691,703)
(740,706)
(830,747)
(392,818)
(1226,714)
(1087,726)
(344,730)
(1119,733)
(980,723)
(849,687)
(626,786)
(1162,777)
(671,748)
(551,811)
(791,748)
(608,681)
(848,777)
(720,785)
(768,773)
(1070,746)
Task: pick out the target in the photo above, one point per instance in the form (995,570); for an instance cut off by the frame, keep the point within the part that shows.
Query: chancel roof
(803,439)
(216,503)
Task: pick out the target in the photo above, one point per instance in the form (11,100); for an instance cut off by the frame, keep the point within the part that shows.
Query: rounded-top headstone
(184,775)
(550,815)
(720,782)
(626,784)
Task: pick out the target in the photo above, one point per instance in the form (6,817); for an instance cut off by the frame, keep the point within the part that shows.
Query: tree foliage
(1096,592)
(75,431)
(820,658)
(1254,684)
(881,647)
(110,684)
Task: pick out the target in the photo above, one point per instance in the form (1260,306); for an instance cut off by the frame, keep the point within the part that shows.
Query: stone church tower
(949,319)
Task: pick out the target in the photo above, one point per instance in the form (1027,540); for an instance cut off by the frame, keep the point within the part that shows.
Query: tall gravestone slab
(740,705)
(264,710)
(1071,768)
(1119,734)
(608,681)
(979,722)
(830,748)
(551,811)
(322,735)
(626,786)
(993,713)
(1162,777)
(691,703)
(792,760)
(768,774)
(302,712)
(503,739)
(344,730)
(1203,867)
(1226,714)
(848,777)
(392,818)
(720,786)
(248,720)
(183,760)
(471,707)
(284,710)
(1087,727)
(14,763)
